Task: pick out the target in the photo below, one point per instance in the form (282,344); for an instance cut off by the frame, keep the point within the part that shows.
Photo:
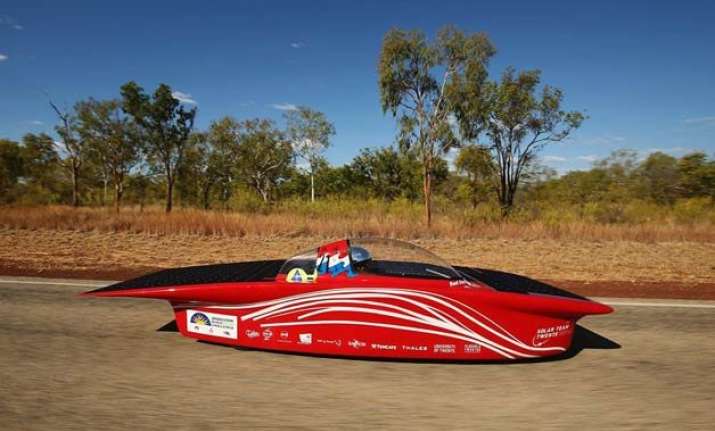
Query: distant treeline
(33,172)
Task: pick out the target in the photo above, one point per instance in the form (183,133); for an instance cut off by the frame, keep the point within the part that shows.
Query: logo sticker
(298,275)
(378,346)
(335,342)
(444,348)
(200,319)
(213,324)
(356,344)
(284,337)
(305,338)
(472,348)
(414,348)
(544,335)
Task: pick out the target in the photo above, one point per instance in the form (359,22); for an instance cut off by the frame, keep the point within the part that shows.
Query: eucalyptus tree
(264,156)
(418,80)
(73,147)
(223,138)
(112,138)
(309,132)
(659,178)
(165,126)
(697,174)
(41,169)
(519,117)
(11,169)
(477,164)
(387,173)
(197,178)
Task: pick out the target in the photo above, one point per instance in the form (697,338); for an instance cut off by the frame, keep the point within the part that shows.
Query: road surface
(77,363)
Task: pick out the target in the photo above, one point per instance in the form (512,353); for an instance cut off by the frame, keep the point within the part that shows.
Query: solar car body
(368,298)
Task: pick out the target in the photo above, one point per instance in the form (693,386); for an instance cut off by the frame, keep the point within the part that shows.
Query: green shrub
(639,211)
(694,210)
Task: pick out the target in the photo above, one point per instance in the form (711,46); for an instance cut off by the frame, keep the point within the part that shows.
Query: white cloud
(183,97)
(284,106)
(700,120)
(36,123)
(297,45)
(6,20)
(553,159)
(588,158)
(3,57)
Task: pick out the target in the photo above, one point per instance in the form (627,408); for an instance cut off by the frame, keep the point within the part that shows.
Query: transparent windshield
(398,258)
(372,256)
(301,268)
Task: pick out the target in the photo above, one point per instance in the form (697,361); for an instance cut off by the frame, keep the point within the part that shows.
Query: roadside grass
(399,219)
(46,251)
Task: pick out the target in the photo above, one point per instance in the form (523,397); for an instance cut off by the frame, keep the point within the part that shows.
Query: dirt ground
(76,363)
(617,269)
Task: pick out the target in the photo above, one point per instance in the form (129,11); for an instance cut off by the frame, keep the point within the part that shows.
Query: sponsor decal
(267,334)
(357,344)
(455,283)
(378,346)
(444,348)
(283,337)
(472,348)
(200,319)
(543,335)
(216,325)
(250,333)
(299,275)
(411,348)
(337,343)
(463,321)
(305,338)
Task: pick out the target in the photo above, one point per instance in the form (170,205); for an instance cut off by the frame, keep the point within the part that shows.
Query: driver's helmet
(359,255)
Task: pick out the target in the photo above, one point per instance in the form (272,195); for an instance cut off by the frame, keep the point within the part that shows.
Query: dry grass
(405,224)
(57,238)
(51,250)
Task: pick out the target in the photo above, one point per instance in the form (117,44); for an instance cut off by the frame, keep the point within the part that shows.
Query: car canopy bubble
(386,257)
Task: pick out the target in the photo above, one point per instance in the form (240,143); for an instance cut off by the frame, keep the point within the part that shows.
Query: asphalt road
(75,363)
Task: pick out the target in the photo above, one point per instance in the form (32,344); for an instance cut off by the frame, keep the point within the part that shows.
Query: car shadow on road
(169,327)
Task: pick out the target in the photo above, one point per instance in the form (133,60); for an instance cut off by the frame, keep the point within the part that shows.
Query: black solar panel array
(221,273)
(267,270)
(507,282)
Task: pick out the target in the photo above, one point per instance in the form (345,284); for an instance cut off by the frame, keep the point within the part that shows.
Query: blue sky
(643,71)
